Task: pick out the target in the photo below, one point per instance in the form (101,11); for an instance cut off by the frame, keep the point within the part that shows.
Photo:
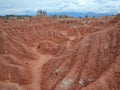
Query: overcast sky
(83,6)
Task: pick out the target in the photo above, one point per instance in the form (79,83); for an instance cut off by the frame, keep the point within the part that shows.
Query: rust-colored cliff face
(42,53)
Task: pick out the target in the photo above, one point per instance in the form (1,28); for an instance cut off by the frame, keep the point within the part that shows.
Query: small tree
(80,17)
(93,17)
(86,16)
(106,18)
(44,13)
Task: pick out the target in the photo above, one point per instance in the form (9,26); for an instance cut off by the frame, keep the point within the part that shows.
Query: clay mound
(115,20)
(110,80)
(41,19)
(94,55)
(11,46)
(15,71)
(47,47)
(9,86)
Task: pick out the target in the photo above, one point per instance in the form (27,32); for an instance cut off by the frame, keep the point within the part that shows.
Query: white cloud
(97,6)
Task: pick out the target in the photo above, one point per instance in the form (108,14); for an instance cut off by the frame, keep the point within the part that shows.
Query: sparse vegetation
(15,17)
(61,16)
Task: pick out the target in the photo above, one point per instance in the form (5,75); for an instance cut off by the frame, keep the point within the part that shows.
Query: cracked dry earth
(43,53)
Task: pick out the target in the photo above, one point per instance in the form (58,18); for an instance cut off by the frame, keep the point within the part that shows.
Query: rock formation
(42,53)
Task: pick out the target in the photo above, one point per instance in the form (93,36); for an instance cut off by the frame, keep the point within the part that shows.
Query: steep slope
(93,56)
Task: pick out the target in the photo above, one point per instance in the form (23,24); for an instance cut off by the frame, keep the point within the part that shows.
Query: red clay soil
(43,53)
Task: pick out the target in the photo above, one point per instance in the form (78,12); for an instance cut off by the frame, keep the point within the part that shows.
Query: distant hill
(77,14)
